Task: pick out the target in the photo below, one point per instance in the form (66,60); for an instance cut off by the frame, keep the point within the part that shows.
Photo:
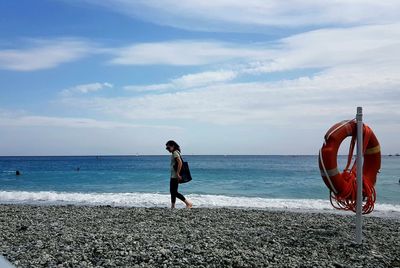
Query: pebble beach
(104,236)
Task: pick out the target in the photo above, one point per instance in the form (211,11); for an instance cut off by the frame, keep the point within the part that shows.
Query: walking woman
(176,160)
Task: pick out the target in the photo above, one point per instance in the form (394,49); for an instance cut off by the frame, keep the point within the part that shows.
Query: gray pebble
(73,236)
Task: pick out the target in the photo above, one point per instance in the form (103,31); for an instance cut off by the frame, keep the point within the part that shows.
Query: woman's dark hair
(173,144)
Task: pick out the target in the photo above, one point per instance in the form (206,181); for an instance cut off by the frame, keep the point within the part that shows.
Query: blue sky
(219,77)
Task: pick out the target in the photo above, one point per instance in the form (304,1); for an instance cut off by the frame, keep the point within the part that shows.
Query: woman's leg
(173,188)
(181,197)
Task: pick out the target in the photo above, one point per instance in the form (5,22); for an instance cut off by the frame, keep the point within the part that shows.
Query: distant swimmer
(17,173)
(78,168)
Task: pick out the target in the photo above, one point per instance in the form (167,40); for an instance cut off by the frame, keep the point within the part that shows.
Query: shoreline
(392,215)
(106,236)
(161,200)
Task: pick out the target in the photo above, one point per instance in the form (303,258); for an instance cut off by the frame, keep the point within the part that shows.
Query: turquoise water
(271,177)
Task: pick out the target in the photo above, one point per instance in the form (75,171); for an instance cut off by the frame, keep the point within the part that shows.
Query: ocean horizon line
(138,155)
(113,155)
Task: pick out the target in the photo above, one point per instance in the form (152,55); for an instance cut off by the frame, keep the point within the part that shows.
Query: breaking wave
(162,200)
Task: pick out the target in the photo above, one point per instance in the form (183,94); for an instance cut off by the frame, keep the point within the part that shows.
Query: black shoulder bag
(185,171)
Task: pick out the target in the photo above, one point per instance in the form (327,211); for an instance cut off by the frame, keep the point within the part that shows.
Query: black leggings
(173,189)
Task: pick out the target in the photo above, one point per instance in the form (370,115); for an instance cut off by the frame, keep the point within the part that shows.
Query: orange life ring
(343,186)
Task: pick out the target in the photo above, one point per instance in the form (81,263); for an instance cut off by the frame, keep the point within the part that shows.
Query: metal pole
(359,175)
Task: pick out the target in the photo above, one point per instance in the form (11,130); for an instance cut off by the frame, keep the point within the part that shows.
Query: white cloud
(25,134)
(367,50)
(21,119)
(314,49)
(181,53)
(86,88)
(253,15)
(188,81)
(306,99)
(366,45)
(154,87)
(358,66)
(44,54)
(204,78)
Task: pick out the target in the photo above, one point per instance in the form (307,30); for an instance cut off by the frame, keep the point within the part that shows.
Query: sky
(120,77)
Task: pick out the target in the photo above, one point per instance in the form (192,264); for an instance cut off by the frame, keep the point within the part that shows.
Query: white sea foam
(162,200)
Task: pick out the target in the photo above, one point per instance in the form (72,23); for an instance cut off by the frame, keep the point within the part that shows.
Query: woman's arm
(178,169)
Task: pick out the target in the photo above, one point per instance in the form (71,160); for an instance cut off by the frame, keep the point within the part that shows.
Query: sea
(290,182)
